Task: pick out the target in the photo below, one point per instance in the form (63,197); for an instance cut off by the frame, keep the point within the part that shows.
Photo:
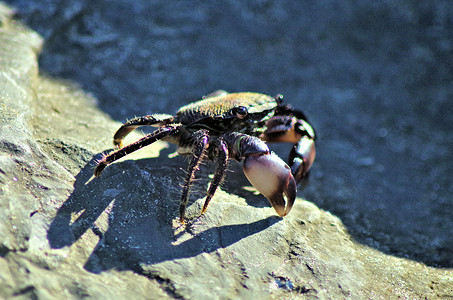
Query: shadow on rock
(79,212)
(158,245)
(131,207)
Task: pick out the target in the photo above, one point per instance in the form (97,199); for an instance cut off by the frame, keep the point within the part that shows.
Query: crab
(223,126)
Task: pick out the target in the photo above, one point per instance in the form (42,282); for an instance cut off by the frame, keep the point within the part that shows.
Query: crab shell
(216,107)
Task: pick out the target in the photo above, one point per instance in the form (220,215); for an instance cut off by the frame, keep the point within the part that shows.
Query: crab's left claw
(272,177)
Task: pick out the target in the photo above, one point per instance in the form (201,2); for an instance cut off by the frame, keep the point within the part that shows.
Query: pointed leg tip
(118,143)
(99,168)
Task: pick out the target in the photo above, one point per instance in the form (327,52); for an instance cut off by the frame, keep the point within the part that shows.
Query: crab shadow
(130,210)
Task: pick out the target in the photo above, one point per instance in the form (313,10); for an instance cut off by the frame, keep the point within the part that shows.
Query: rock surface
(65,234)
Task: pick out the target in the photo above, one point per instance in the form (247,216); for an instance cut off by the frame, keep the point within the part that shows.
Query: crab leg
(219,175)
(199,150)
(145,141)
(129,126)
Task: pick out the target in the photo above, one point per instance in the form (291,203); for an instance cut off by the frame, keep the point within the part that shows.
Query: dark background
(375,80)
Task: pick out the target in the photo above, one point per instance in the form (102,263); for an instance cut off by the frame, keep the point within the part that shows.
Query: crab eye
(241,112)
(279,98)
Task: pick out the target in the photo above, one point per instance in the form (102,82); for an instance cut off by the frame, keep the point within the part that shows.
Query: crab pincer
(272,177)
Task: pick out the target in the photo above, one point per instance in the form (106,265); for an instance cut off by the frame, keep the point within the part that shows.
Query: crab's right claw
(272,177)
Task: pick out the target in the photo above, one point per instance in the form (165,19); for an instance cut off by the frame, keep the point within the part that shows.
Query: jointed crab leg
(129,126)
(145,141)
(219,173)
(200,147)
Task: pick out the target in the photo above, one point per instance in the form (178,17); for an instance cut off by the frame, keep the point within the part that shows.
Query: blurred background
(374,79)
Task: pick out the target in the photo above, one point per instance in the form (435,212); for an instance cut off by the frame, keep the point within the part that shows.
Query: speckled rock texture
(374,79)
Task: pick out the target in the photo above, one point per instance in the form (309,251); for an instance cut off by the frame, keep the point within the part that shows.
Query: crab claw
(272,177)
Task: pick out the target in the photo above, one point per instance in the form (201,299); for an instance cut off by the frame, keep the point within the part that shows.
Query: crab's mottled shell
(221,105)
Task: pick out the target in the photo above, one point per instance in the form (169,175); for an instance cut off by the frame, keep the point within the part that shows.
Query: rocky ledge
(64,234)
